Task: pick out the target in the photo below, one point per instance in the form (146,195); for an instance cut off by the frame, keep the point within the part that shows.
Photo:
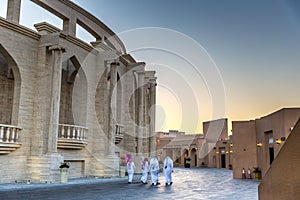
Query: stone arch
(193,156)
(10,88)
(102,96)
(185,153)
(73,100)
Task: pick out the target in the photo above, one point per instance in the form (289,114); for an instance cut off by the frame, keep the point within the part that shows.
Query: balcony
(71,136)
(119,133)
(9,136)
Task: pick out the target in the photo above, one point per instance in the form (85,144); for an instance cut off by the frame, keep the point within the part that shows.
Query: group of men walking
(153,168)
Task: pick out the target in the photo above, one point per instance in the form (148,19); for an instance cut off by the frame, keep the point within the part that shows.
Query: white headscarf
(168,161)
(154,165)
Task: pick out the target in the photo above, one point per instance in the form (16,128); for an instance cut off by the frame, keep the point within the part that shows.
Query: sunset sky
(214,59)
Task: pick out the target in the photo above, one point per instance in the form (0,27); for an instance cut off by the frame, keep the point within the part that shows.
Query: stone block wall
(38,100)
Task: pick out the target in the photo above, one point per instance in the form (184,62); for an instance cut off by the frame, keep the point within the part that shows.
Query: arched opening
(72,131)
(114,104)
(177,159)
(70,69)
(194,157)
(185,154)
(79,98)
(10,85)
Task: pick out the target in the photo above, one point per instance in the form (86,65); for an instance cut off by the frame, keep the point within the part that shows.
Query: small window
(271,140)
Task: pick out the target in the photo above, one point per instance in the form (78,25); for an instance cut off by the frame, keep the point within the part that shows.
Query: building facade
(64,100)
(178,146)
(281,181)
(256,143)
(212,149)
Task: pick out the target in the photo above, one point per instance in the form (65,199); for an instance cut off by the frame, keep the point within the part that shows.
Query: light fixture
(278,141)
(259,144)
(231,145)
(217,152)
(230,151)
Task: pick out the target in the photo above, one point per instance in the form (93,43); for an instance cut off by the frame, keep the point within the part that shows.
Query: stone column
(141,111)
(69,26)
(146,118)
(112,107)
(152,137)
(13,10)
(129,111)
(56,63)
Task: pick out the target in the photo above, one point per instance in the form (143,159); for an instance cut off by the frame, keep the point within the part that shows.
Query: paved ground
(188,184)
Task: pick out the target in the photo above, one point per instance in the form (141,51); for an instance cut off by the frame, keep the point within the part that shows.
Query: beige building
(177,145)
(211,149)
(256,143)
(63,99)
(219,143)
(281,181)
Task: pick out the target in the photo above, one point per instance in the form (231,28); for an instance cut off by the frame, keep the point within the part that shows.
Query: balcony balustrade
(72,136)
(9,136)
(119,133)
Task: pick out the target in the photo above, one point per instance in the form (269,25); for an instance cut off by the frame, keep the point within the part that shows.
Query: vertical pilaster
(112,107)
(129,111)
(13,10)
(141,111)
(152,137)
(56,63)
(146,118)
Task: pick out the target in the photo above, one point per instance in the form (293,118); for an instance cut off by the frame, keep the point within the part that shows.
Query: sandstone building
(212,149)
(63,99)
(281,181)
(256,143)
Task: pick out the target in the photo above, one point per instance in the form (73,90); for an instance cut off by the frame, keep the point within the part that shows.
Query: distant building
(177,145)
(219,143)
(211,149)
(256,143)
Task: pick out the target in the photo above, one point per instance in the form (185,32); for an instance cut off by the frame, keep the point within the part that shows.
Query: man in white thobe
(168,169)
(154,169)
(145,170)
(130,169)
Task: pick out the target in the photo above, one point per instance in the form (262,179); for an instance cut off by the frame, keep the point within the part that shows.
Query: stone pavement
(194,183)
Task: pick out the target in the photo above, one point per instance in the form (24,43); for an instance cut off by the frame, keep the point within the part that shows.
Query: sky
(236,59)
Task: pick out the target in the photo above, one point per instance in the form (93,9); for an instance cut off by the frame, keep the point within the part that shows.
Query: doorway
(223,161)
(271,154)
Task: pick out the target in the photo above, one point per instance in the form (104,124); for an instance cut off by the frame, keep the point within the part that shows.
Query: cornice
(19,29)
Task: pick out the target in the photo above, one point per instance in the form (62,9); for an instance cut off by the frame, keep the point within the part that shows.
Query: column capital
(135,67)
(150,74)
(57,47)
(150,78)
(114,63)
(140,72)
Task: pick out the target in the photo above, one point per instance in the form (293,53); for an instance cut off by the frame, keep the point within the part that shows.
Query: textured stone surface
(204,184)
(50,77)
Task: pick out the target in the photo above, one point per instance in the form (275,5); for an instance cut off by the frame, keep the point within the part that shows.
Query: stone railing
(119,133)
(71,136)
(9,136)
